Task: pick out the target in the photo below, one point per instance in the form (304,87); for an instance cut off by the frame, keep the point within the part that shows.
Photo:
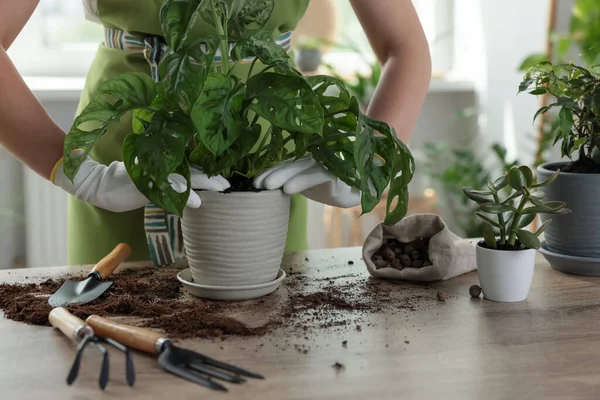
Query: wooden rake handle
(72,326)
(130,336)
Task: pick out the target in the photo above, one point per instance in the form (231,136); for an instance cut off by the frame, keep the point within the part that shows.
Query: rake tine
(183,373)
(129,369)
(200,367)
(77,362)
(103,381)
(228,367)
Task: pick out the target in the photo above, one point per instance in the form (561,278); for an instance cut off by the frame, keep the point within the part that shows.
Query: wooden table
(547,347)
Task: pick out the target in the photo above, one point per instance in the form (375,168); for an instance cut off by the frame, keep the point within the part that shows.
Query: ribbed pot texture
(577,233)
(236,239)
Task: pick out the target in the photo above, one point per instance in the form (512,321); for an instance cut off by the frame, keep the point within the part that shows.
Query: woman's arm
(26,129)
(397,38)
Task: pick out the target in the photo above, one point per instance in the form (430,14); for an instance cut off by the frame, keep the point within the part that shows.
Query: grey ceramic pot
(308,60)
(577,233)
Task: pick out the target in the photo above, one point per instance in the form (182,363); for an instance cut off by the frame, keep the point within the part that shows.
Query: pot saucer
(585,266)
(228,292)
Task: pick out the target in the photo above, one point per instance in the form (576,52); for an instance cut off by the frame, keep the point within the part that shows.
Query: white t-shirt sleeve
(90,9)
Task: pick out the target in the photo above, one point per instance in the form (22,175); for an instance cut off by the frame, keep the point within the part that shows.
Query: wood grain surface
(547,347)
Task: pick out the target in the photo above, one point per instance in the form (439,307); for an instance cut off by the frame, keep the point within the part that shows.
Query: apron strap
(163,229)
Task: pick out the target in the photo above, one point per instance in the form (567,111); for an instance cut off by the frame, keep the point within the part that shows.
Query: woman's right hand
(111,188)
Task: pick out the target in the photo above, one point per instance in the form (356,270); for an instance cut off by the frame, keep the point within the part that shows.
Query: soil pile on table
(154,298)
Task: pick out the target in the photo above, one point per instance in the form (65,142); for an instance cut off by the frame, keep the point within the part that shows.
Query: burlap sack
(449,254)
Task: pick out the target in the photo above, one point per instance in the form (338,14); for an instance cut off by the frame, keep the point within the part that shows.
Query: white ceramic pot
(505,275)
(236,239)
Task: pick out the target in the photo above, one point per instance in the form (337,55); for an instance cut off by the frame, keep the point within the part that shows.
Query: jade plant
(203,111)
(576,93)
(512,213)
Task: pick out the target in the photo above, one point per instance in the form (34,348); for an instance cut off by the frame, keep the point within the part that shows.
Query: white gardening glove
(111,188)
(307,177)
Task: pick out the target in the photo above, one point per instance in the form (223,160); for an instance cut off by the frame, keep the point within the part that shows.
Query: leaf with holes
(285,101)
(184,72)
(177,17)
(248,15)
(113,99)
(261,45)
(151,156)
(217,114)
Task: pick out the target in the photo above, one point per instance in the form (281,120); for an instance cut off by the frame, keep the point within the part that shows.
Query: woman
(105,207)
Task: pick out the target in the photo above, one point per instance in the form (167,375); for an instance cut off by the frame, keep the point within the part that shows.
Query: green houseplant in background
(506,261)
(575,91)
(199,113)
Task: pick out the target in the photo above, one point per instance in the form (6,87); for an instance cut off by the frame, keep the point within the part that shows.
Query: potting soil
(154,298)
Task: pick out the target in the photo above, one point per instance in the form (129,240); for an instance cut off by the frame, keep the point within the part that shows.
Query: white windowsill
(69,89)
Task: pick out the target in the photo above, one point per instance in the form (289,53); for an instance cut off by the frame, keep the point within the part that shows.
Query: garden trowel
(81,292)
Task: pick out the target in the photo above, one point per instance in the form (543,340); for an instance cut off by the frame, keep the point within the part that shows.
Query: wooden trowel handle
(130,336)
(108,264)
(68,324)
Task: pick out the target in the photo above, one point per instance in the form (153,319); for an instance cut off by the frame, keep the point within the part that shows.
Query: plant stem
(500,221)
(251,68)
(516,218)
(224,41)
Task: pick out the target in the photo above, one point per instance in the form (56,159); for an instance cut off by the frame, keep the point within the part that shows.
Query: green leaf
(176,18)
(217,114)
(543,227)
(113,99)
(501,182)
(286,101)
(261,45)
(528,239)
(531,61)
(527,174)
(184,72)
(471,194)
(525,220)
(516,179)
(538,91)
(541,111)
(548,181)
(248,15)
(495,208)
(152,156)
(566,121)
(488,219)
(544,210)
(489,238)
(580,142)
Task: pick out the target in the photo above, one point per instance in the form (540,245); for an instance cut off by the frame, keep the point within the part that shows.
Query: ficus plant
(201,113)
(512,213)
(576,93)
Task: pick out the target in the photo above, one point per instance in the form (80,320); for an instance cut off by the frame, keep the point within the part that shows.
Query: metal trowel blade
(73,292)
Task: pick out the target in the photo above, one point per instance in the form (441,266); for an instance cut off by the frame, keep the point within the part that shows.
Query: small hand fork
(83,334)
(175,360)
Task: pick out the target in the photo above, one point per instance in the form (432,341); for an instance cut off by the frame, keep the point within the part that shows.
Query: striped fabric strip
(118,39)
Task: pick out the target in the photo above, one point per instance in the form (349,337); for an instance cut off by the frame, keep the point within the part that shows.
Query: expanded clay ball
(475,291)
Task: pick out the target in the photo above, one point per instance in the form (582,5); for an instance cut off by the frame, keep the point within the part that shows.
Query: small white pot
(505,275)
(236,239)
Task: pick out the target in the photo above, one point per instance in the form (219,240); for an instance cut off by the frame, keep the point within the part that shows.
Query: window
(57,41)
(436,17)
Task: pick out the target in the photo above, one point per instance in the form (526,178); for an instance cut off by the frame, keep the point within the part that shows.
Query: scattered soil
(441,296)
(154,298)
(240,183)
(338,366)
(475,291)
(581,166)
(400,255)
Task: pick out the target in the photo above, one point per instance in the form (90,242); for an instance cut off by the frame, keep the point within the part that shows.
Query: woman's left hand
(307,177)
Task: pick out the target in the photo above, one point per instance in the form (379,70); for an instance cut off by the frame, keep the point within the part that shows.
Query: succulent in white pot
(506,255)
(236,120)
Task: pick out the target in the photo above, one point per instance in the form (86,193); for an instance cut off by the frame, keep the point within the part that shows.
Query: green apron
(94,232)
